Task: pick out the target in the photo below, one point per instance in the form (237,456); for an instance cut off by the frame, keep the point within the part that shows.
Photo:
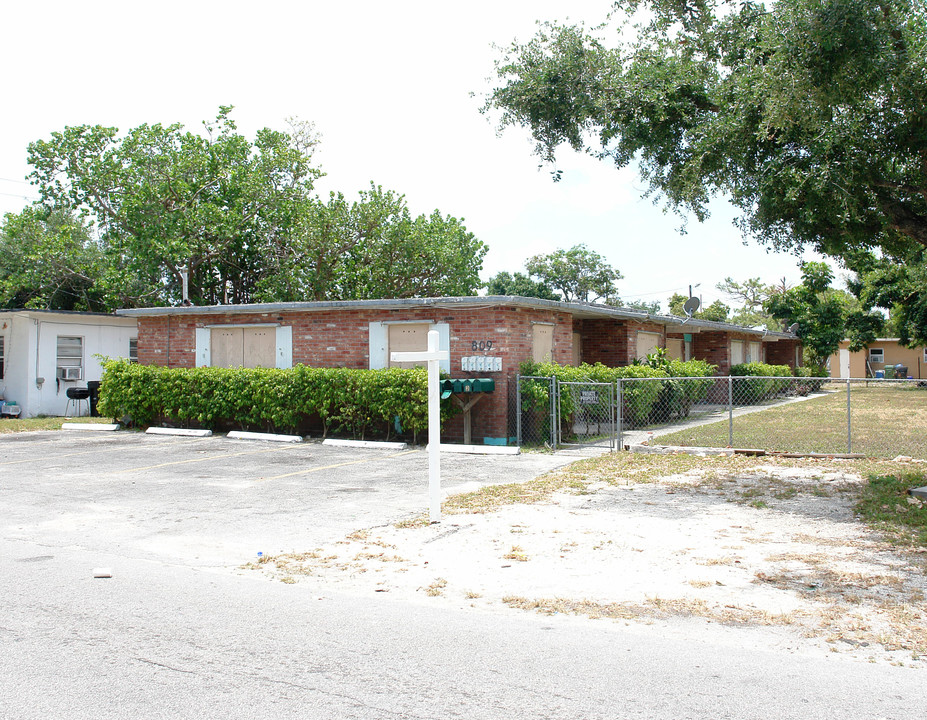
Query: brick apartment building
(486,336)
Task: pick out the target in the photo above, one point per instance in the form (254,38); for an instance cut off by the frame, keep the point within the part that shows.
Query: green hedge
(765,382)
(341,400)
(678,396)
(641,401)
(816,375)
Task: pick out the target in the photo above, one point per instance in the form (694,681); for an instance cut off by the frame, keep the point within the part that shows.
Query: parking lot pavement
(215,502)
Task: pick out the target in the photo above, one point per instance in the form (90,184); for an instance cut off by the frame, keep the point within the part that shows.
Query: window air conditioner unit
(70,373)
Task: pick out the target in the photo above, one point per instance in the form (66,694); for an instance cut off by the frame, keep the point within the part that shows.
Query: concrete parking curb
(366,444)
(108,427)
(184,432)
(480,449)
(272,437)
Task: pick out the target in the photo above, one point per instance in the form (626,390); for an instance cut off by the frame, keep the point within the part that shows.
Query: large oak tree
(810,116)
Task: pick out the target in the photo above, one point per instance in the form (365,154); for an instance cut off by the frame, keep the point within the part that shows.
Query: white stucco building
(43,353)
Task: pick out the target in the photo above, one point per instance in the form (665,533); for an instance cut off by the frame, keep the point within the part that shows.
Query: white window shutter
(203,356)
(378,339)
(444,343)
(284,341)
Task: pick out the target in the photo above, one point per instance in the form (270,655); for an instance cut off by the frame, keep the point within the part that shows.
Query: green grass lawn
(886,420)
(16,425)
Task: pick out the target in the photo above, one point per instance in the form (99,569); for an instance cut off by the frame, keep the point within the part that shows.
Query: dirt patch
(770,550)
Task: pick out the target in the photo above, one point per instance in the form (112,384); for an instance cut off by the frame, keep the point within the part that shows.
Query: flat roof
(580,310)
(65,313)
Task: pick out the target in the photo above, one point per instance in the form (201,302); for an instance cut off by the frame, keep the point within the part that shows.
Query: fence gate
(535,410)
(587,414)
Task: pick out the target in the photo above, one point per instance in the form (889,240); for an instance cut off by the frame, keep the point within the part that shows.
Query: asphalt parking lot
(180,632)
(217,502)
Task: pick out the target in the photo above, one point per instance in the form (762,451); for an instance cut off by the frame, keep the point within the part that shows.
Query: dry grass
(436,589)
(701,583)
(678,470)
(849,588)
(413,523)
(725,560)
(33,424)
(898,627)
(517,554)
(655,608)
(887,420)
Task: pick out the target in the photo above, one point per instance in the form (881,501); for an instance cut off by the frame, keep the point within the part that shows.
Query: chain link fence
(587,412)
(532,412)
(871,417)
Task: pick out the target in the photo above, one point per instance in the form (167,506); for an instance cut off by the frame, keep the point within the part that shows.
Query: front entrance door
(844,363)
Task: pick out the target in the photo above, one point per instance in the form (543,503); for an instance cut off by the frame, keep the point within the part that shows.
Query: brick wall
(340,338)
(604,341)
(713,347)
(781,352)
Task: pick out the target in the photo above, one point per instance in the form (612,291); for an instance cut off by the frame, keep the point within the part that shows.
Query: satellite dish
(691,305)
(793,327)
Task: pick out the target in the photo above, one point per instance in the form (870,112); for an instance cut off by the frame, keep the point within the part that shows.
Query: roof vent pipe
(185,286)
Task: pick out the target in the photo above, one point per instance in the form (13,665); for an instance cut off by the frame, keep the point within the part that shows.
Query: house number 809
(481,345)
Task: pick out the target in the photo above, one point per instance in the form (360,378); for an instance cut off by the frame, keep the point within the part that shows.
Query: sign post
(433,357)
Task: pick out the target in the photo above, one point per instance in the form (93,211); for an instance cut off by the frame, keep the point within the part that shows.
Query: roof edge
(573,308)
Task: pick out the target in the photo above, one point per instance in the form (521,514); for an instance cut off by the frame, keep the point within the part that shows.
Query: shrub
(765,381)
(639,399)
(812,371)
(343,400)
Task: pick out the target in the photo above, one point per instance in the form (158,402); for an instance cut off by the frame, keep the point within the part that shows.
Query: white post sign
(433,356)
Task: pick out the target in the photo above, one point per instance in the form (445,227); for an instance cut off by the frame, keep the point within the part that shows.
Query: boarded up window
(577,349)
(243,347)
(408,337)
(542,343)
(756,353)
(227,347)
(674,348)
(737,352)
(646,343)
(260,347)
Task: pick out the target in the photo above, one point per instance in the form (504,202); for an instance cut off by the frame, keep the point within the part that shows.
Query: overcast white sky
(388,86)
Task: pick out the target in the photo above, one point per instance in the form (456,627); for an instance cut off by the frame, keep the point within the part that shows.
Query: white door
(844,363)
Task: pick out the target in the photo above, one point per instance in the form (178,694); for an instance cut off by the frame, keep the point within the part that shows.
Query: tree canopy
(49,260)
(239,216)
(823,316)
(810,116)
(519,284)
(750,296)
(373,248)
(648,306)
(717,311)
(579,274)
